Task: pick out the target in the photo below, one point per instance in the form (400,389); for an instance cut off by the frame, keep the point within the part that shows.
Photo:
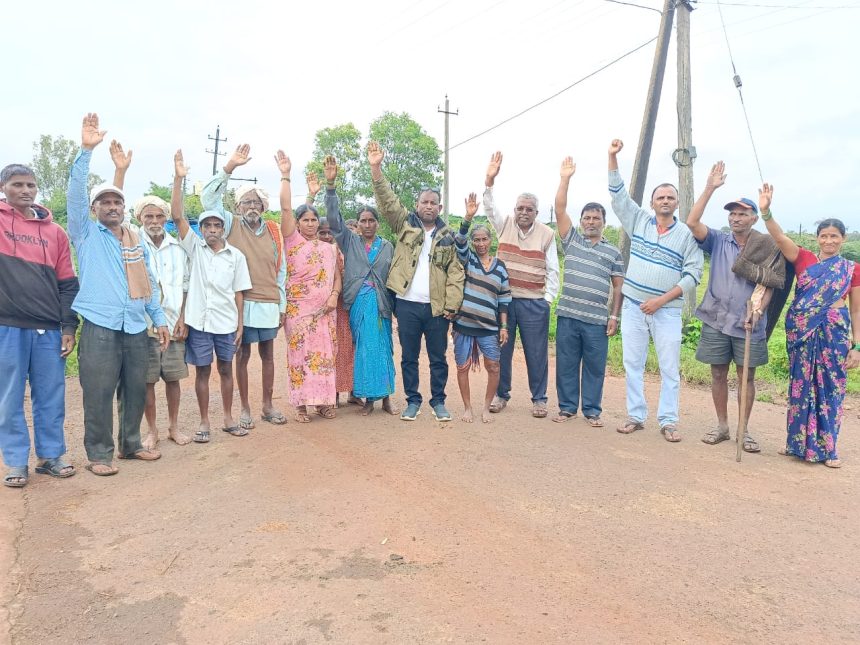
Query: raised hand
(330,169)
(284,163)
(471,206)
(240,157)
(313,184)
(121,159)
(568,168)
(179,168)
(717,176)
(375,154)
(616,146)
(494,166)
(765,197)
(91,136)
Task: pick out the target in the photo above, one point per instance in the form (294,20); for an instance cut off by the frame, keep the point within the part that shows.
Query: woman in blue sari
(818,332)
(367,260)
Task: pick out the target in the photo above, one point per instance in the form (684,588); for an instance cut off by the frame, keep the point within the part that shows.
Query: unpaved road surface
(380,531)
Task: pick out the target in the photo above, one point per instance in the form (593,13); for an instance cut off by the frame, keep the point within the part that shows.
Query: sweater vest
(525,258)
(261,252)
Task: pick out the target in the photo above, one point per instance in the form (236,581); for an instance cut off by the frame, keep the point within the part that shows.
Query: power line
(549,98)
(768,6)
(738,84)
(631,4)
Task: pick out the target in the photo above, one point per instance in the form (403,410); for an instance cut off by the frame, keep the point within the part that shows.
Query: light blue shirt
(104,299)
(262,315)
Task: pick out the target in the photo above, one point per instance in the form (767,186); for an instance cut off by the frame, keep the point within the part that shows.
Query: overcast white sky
(163,74)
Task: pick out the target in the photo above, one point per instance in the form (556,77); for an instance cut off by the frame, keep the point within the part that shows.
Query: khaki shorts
(717,348)
(169,364)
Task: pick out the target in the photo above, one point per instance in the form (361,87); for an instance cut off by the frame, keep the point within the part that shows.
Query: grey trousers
(112,363)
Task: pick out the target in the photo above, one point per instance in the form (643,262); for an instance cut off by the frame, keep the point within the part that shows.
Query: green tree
(344,142)
(413,159)
(52,162)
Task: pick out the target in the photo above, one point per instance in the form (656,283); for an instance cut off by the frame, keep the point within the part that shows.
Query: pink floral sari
(311,335)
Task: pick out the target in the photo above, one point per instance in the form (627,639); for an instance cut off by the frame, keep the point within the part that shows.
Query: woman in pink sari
(313,287)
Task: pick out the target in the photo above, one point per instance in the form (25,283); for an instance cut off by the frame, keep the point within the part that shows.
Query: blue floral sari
(373,371)
(817,336)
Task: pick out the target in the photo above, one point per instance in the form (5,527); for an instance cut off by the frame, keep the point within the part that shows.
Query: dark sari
(817,336)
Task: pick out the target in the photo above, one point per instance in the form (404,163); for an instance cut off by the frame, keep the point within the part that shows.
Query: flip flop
(111,470)
(246,422)
(201,436)
(143,455)
(670,433)
(563,416)
(630,426)
(594,421)
(236,431)
(276,418)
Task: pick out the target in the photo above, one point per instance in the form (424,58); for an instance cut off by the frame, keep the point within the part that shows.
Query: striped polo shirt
(588,272)
(486,293)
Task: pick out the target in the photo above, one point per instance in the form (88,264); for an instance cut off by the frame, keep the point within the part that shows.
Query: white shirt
(215,278)
(498,220)
(419,288)
(171,268)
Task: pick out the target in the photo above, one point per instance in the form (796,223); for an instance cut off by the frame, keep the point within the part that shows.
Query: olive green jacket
(446,271)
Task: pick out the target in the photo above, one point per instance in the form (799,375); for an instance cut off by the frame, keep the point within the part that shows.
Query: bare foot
(467,416)
(367,409)
(150,441)
(354,399)
(388,407)
(486,416)
(176,436)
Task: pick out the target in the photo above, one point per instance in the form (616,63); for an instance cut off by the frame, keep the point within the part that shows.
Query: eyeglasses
(247,203)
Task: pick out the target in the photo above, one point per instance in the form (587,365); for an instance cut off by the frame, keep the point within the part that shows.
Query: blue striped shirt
(588,272)
(486,293)
(658,261)
(103,298)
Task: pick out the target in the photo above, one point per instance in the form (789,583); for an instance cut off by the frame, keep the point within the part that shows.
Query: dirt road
(379,531)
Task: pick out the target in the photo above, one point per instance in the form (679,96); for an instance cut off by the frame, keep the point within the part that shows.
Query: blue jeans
(532,318)
(665,328)
(25,354)
(580,345)
(414,320)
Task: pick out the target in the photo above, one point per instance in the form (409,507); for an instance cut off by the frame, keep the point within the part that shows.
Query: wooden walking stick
(742,411)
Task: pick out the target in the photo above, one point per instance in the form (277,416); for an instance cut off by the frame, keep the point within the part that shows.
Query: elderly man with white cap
(214,308)
(117,293)
(266,301)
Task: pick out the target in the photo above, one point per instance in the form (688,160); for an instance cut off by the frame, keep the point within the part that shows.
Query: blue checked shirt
(103,298)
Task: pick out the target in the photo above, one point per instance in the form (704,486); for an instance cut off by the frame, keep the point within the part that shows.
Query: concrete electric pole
(446,183)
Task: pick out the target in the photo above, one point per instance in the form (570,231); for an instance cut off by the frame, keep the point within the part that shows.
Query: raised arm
(568,168)
(786,245)
(625,209)
(496,219)
(461,241)
(387,202)
(121,162)
(716,178)
(288,221)
(332,204)
(212,196)
(313,187)
(177,198)
(78,203)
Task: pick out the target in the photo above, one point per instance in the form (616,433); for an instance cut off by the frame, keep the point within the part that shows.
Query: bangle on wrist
(856,347)
(766,215)
(503,326)
(613,317)
(285,179)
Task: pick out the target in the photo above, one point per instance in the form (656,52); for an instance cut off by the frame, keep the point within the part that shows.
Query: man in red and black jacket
(37,328)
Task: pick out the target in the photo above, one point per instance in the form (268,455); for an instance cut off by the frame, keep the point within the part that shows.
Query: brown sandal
(594,421)
(670,433)
(326,411)
(630,426)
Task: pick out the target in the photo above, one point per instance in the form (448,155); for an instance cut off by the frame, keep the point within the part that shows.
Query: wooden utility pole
(447,112)
(685,155)
(649,120)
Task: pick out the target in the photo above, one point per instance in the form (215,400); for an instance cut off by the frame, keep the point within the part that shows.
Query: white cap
(208,214)
(101,189)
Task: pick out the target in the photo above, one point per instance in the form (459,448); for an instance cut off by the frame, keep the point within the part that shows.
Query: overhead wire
(739,84)
(770,6)
(561,91)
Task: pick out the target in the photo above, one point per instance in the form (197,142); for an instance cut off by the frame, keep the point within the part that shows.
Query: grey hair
(15,169)
(530,196)
(479,228)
